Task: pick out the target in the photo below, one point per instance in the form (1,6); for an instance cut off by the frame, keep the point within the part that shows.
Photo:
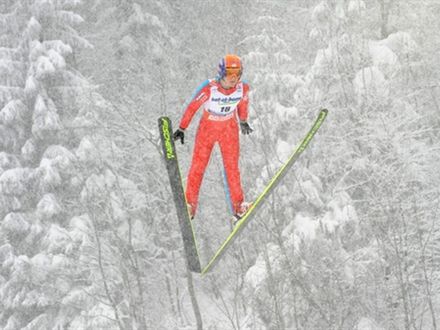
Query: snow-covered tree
(43,99)
(136,234)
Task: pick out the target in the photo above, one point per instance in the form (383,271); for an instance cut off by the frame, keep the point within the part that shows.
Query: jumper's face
(231,78)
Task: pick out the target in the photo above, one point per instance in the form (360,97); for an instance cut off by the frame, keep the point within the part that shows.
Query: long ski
(172,164)
(241,224)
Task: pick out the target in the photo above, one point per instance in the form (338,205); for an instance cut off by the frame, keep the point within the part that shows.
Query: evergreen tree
(45,107)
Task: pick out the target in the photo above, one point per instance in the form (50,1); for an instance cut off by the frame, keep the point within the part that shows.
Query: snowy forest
(89,237)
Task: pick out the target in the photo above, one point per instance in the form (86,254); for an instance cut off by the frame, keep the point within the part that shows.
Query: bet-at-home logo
(167,139)
(226,100)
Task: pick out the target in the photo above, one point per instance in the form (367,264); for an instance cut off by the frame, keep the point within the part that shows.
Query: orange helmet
(230,65)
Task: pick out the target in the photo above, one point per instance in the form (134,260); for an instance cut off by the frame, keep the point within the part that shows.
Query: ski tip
(324,110)
(163,118)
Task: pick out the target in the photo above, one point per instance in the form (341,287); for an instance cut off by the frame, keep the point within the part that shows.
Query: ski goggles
(233,72)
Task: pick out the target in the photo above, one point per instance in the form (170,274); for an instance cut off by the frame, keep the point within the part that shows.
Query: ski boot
(240,212)
(191,210)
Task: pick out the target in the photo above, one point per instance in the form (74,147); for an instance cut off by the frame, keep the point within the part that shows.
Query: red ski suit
(218,124)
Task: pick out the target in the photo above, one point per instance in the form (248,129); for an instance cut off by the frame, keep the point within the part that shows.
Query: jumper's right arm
(201,96)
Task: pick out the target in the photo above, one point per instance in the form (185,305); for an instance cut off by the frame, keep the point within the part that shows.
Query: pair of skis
(186,227)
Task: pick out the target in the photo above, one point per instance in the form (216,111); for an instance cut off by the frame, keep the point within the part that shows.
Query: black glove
(245,128)
(179,134)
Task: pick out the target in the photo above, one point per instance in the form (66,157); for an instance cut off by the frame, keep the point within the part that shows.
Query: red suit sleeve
(200,97)
(242,106)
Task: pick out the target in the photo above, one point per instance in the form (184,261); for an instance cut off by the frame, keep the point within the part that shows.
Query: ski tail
(276,179)
(175,178)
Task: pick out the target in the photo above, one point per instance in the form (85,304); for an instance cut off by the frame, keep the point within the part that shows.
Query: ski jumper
(221,107)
